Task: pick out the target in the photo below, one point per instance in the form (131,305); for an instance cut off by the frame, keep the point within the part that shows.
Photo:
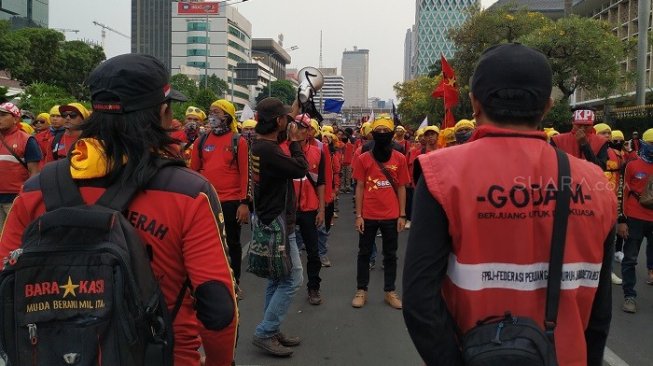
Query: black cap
(271,108)
(512,69)
(130,82)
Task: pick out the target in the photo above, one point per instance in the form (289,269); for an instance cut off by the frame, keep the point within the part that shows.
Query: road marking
(612,359)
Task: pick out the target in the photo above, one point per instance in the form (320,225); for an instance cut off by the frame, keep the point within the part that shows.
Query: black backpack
(80,290)
(510,340)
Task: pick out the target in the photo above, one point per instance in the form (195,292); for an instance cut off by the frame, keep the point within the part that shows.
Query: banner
(333,105)
(198,8)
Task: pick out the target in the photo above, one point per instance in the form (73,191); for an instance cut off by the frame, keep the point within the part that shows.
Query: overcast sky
(379,26)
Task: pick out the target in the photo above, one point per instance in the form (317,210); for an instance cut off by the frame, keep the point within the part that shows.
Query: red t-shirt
(380,202)
(229,175)
(64,145)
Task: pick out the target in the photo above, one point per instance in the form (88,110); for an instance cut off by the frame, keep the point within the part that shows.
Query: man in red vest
(635,220)
(482,228)
(583,142)
(19,157)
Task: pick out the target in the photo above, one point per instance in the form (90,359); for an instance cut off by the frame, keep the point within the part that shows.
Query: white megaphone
(310,81)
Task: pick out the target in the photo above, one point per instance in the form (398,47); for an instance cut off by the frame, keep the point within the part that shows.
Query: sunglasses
(69,114)
(193,110)
(38,121)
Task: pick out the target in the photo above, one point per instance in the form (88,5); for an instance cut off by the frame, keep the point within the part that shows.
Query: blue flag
(333,105)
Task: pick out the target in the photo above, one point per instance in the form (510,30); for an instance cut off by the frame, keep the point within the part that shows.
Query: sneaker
(630,306)
(379,235)
(239,293)
(272,346)
(325,261)
(372,264)
(407,227)
(314,297)
(392,299)
(335,216)
(618,256)
(616,280)
(287,341)
(359,299)
(649,281)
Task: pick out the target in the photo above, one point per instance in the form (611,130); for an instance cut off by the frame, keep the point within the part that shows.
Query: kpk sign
(198,8)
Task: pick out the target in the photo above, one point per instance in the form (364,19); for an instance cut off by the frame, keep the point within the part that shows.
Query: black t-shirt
(273,172)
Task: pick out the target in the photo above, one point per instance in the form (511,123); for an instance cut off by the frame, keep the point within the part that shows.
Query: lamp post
(269,57)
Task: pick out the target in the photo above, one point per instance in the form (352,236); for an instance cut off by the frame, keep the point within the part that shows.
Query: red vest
(306,193)
(493,191)
(14,173)
(635,178)
(567,142)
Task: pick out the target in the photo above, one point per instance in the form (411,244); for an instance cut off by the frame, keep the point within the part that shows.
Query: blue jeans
(322,238)
(279,294)
(299,240)
(637,231)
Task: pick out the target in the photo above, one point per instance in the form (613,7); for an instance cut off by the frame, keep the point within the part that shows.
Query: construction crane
(107,28)
(63,30)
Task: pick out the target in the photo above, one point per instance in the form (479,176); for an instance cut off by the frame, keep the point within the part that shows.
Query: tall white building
(213,38)
(333,88)
(408,54)
(355,70)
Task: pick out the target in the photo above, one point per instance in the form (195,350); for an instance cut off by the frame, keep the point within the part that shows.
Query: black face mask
(382,145)
(617,145)
(462,137)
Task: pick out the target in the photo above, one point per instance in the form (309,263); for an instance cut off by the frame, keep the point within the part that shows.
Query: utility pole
(206,48)
(644,11)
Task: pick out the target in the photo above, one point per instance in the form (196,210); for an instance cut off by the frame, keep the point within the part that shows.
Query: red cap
(584,117)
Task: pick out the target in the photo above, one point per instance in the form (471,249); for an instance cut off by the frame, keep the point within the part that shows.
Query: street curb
(612,359)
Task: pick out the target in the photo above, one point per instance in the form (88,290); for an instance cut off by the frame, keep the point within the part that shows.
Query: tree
(569,5)
(282,89)
(40,97)
(215,84)
(417,102)
(488,28)
(184,84)
(584,53)
(40,50)
(78,59)
(204,98)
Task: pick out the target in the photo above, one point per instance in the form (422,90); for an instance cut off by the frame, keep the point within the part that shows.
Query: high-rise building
(408,54)
(271,53)
(333,88)
(214,39)
(433,20)
(151,29)
(551,9)
(25,13)
(355,70)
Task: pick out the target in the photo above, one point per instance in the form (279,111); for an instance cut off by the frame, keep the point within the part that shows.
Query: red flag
(449,120)
(447,89)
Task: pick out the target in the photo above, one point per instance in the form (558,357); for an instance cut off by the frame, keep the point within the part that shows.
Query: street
(335,333)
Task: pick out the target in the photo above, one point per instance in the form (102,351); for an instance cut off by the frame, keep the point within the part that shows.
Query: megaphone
(311,81)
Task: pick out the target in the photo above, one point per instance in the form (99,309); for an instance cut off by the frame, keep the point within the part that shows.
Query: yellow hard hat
(431,128)
(602,127)
(463,123)
(327,128)
(316,126)
(383,122)
(617,135)
(54,111)
(250,123)
(449,135)
(228,108)
(197,112)
(648,135)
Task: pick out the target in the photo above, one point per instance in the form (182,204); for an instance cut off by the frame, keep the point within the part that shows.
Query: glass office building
(25,13)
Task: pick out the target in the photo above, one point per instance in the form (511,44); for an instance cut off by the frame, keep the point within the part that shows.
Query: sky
(379,26)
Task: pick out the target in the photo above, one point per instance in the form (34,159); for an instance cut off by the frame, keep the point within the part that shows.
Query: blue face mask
(646,152)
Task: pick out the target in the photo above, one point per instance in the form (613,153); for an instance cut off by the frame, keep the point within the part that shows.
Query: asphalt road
(334,333)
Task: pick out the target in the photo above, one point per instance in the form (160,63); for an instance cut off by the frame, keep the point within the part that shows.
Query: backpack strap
(54,147)
(558,238)
(58,187)
(180,299)
(200,147)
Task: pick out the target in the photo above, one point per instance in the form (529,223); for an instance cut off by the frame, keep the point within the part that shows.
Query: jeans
(279,295)
(308,233)
(365,244)
(346,178)
(637,230)
(232,227)
(323,231)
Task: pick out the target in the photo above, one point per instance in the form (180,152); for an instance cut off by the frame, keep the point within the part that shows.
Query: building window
(196,52)
(196,26)
(238,33)
(201,65)
(238,47)
(236,58)
(196,40)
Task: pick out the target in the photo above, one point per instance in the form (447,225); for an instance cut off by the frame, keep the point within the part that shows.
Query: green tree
(282,89)
(215,84)
(484,29)
(78,59)
(204,98)
(584,53)
(40,50)
(40,97)
(184,84)
(417,102)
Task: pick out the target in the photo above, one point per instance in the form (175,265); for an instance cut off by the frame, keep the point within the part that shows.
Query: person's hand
(294,111)
(360,225)
(622,230)
(581,137)
(242,214)
(319,219)
(293,133)
(401,224)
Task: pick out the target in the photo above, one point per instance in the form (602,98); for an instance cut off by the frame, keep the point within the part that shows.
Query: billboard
(246,74)
(198,8)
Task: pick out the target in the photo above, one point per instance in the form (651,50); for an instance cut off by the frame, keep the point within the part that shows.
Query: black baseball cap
(512,76)
(130,82)
(271,108)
